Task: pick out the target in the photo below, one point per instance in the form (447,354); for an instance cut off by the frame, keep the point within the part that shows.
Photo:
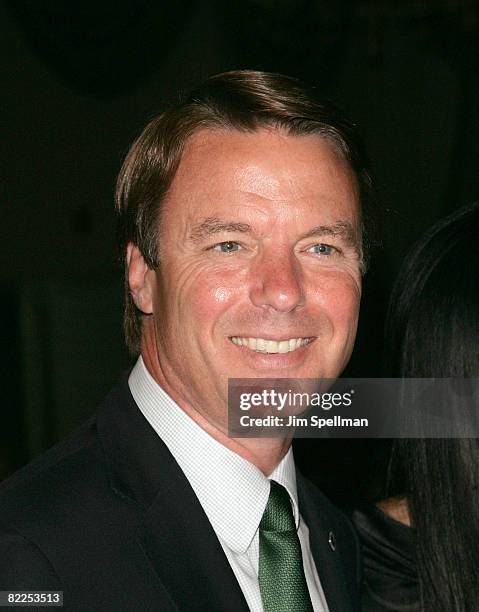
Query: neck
(397,508)
(264,453)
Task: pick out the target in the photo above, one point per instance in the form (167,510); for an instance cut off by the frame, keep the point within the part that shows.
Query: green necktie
(281,574)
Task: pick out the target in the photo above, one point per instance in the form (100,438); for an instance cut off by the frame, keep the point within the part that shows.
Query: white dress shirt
(232,491)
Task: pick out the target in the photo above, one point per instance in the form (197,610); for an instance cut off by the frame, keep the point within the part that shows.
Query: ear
(140,279)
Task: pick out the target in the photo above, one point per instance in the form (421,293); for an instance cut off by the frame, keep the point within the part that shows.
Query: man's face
(260,265)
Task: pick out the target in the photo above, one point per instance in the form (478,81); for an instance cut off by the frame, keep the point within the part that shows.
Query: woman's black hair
(433,331)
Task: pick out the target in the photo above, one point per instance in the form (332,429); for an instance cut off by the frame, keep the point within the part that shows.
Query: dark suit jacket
(108,517)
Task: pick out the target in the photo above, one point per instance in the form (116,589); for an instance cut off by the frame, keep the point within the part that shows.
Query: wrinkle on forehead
(254,180)
(255,175)
(267,176)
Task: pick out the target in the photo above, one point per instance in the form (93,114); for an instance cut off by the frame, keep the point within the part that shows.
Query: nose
(276,283)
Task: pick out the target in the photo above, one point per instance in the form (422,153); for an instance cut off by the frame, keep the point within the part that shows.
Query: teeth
(260,345)
(271,346)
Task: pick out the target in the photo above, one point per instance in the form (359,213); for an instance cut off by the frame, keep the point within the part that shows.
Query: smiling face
(260,267)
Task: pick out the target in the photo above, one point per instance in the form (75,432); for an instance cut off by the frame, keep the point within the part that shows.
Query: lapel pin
(332,541)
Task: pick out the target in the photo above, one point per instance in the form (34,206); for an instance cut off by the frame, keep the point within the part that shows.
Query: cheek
(221,295)
(346,303)
(339,296)
(207,301)
(208,296)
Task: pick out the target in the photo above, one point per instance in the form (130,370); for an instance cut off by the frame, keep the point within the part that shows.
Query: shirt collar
(232,491)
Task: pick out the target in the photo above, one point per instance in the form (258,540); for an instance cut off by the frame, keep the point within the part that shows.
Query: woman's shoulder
(388,545)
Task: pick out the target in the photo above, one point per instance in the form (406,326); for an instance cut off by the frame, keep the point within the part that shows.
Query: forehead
(266,168)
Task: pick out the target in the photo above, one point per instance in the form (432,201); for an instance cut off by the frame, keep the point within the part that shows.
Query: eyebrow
(213,225)
(341,229)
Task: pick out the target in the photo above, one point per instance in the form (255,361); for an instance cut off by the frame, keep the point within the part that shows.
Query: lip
(273,361)
(262,345)
(272,336)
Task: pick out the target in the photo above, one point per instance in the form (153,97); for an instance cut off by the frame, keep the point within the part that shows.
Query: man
(242,220)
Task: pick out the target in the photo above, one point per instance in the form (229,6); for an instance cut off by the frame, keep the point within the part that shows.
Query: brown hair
(242,100)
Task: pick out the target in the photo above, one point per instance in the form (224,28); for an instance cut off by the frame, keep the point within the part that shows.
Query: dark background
(80,80)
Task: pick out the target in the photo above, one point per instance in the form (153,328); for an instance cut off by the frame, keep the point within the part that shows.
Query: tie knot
(278,514)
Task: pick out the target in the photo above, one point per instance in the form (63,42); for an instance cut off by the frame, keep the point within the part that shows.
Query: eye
(322,249)
(227,247)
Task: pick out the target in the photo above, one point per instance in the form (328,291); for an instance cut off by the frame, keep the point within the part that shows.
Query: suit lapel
(173,529)
(186,553)
(328,561)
